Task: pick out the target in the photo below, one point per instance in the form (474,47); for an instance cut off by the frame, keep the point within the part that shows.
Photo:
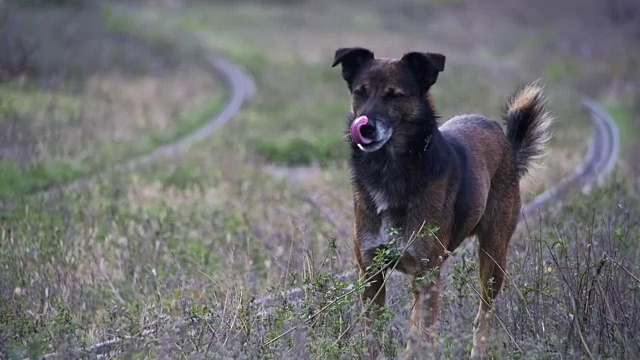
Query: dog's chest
(384,234)
(380,200)
(388,187)
(391,225)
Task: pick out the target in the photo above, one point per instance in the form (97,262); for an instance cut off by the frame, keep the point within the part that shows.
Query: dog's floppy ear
(352,60)
(425,66)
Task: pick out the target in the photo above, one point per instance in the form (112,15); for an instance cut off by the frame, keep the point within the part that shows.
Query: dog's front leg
(367,238)
(374,295)
(373,300)
(426,299)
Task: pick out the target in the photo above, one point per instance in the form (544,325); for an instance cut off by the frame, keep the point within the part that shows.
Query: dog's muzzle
(366,135)
(362,132)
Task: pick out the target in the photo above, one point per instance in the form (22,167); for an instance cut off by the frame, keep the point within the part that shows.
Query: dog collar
(427,142)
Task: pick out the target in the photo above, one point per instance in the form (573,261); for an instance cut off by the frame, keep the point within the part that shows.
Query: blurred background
(86,85)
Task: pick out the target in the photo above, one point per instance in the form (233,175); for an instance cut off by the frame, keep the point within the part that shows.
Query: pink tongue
(356,135)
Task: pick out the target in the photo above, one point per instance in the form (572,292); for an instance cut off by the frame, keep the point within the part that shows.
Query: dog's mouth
(366,136)
(361,131)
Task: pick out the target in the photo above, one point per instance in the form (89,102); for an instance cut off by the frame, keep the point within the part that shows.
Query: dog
(460,180)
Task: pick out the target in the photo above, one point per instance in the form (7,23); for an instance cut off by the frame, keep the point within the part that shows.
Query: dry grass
(197,236)
(112,109)
(117,259)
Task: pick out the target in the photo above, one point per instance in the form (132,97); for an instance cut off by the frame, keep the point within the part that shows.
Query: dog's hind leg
(492,255)
(426,300)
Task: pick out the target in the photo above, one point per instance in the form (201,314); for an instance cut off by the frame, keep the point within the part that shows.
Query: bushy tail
(528,124)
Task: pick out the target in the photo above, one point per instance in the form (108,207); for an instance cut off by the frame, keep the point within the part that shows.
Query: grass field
(92,96)
(265,203)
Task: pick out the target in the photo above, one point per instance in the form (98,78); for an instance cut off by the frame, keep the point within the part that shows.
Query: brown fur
(461,179)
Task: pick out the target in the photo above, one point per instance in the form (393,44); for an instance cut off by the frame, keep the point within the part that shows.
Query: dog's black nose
(368,131)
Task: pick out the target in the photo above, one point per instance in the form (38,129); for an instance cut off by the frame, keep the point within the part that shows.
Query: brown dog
(460,179)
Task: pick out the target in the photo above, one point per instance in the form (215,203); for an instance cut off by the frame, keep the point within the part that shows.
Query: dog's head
(388,95)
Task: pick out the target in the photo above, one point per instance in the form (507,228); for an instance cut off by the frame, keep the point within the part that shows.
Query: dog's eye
(393,94)
(360,92)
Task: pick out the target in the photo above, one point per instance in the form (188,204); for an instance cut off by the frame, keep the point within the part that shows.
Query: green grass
(19,179)
(185,123)
(19,102)
(560,69)
(624,117)
(16,179)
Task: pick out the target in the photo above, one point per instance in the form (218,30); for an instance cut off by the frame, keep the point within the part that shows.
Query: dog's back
(499,159)
(481,142)
(527,131)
